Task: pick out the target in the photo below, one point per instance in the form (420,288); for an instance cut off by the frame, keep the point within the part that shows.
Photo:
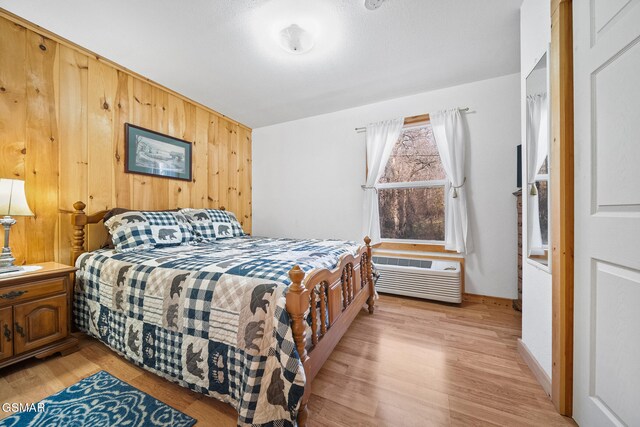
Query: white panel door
(607,212)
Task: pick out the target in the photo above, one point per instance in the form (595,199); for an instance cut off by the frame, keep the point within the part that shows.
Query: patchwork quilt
(209,316)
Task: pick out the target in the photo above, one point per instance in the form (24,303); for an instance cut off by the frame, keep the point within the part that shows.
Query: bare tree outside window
(542,184)
(411,191)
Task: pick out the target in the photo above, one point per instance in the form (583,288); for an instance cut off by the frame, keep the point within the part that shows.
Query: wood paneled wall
(62,116)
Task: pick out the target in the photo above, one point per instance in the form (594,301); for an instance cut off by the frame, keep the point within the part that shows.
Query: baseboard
(485,299)
(535,367)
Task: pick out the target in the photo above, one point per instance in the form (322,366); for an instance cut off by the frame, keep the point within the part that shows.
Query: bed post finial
(297,305)
(372,286)
(78,220)
(79,206)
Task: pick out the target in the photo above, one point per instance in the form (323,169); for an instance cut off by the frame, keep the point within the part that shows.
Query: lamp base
(6,258)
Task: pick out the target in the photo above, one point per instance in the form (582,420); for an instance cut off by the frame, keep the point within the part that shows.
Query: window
(542,186)
(411,192)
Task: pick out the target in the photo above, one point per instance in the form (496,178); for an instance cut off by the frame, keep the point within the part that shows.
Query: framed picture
(155,154)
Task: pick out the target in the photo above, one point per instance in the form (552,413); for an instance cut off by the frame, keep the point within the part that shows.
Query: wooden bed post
(372,286)
(78,220)
(297,305)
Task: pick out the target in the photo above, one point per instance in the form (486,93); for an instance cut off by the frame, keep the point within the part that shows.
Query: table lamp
(13,202)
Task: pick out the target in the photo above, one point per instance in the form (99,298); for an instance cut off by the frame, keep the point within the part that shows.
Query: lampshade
(13,200)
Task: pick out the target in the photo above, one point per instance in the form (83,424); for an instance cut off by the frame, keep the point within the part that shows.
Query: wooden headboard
(79,219)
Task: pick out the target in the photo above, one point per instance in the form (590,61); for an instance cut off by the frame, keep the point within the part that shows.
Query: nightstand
(35,313)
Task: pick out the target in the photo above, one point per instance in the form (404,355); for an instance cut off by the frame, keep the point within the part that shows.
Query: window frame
(412,123)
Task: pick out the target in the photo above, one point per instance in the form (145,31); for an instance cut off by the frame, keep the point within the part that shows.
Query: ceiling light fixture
(373,4)
(295,39)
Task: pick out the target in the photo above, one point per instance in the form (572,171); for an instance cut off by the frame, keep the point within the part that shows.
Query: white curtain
(537,151)
(449,134)
(381,138)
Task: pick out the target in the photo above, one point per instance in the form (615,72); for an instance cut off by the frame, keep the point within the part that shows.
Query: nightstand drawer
(12,294)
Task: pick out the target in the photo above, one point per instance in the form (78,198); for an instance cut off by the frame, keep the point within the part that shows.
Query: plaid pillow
(212,224)
(148,230)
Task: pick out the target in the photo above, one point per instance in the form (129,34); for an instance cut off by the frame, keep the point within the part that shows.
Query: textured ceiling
(223,54)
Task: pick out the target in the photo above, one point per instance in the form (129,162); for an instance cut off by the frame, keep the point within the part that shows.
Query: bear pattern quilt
(209,316)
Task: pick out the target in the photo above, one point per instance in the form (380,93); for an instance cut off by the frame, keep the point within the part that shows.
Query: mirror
(537,149)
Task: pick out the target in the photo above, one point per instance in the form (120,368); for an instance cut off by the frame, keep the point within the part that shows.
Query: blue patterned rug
(100,400)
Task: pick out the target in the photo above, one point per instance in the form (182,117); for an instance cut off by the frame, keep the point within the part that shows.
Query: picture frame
(151,153)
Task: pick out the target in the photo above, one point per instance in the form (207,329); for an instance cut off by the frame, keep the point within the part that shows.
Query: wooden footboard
(341,292)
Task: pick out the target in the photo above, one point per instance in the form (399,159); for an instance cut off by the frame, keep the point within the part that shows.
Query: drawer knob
(7,333)
(20,329)
(12,294)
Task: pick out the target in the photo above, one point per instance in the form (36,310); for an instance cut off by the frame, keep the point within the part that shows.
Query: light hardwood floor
(412,363)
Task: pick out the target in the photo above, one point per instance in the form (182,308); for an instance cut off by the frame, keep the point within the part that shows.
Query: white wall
(535,36)
(307,174)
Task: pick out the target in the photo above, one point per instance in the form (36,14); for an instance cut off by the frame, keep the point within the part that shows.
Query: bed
(247,320)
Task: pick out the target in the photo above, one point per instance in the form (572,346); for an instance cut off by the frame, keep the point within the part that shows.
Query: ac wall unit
(428,279)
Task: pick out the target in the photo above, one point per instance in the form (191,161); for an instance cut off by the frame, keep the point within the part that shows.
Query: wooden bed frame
(342,291)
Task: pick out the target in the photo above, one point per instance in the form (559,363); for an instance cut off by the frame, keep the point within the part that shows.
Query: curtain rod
(364,129)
